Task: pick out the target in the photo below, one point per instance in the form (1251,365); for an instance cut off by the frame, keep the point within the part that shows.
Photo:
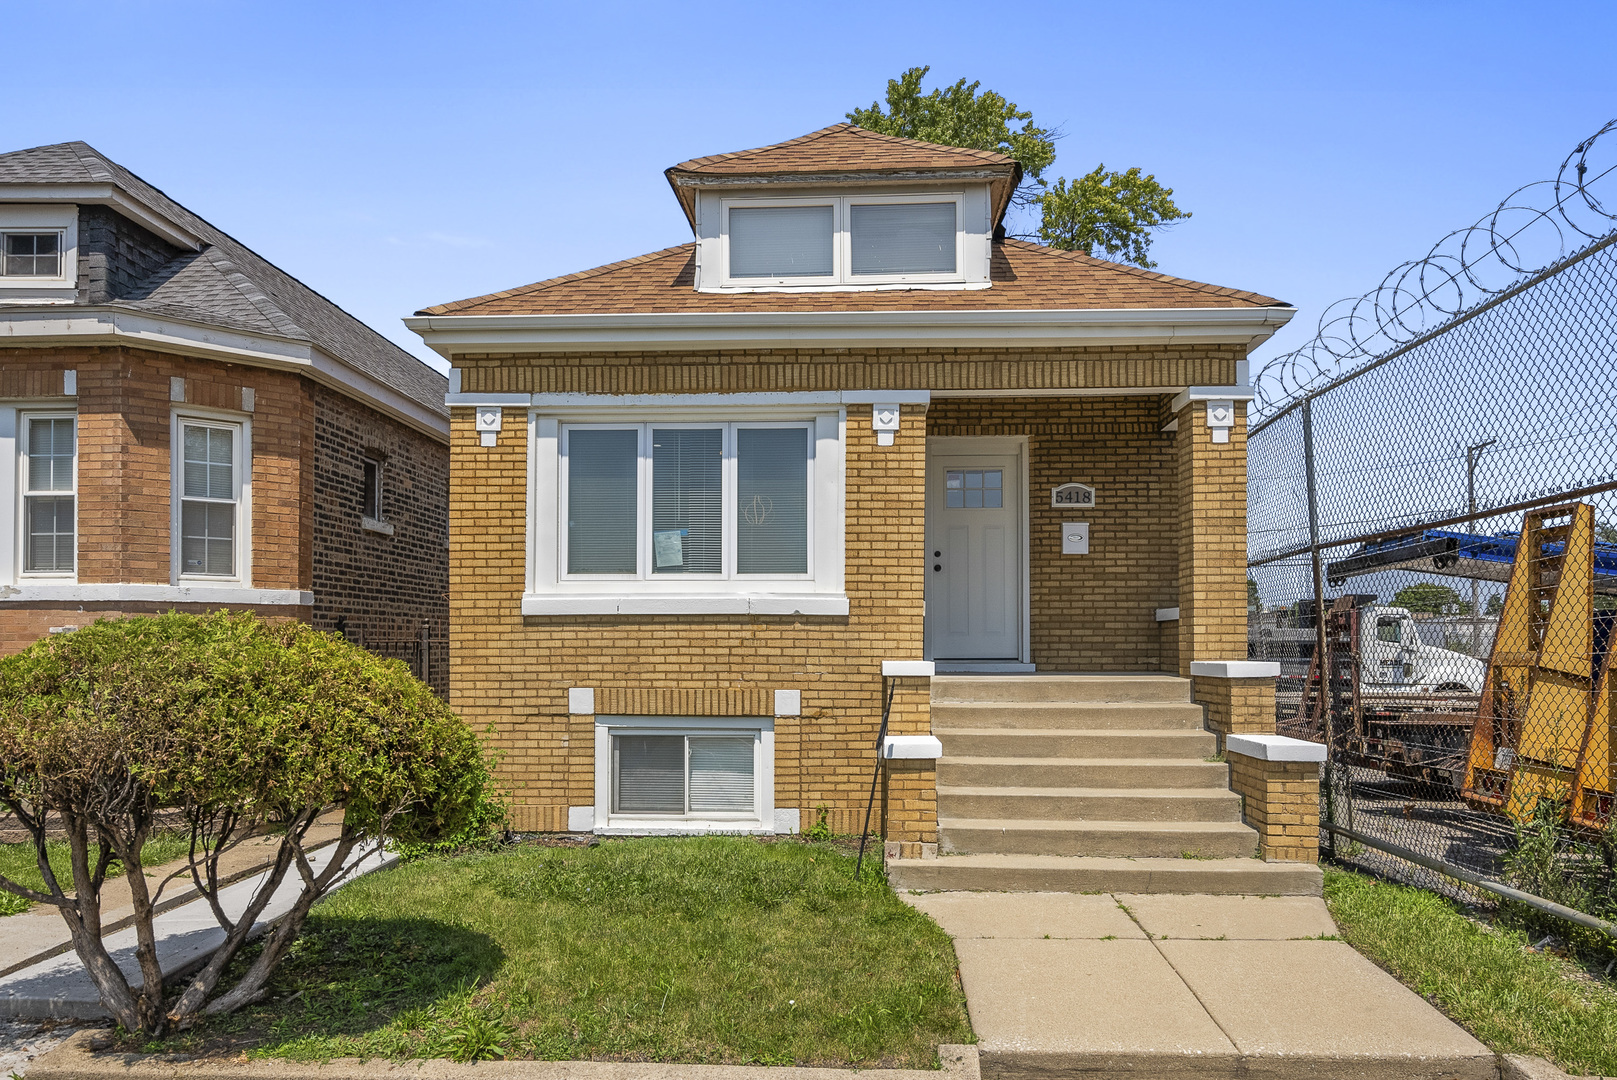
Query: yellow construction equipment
(1544,725)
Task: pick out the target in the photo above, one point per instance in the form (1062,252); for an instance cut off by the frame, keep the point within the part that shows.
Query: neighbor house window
(50,501)
(702,500)
(209,474)
(851,239)
(372,498)
(32,254)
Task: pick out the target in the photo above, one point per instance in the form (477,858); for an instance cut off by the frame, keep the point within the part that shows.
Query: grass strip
(1513,1000)
(703,949)
(19,863)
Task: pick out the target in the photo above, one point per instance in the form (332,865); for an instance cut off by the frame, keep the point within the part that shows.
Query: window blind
(782,241)
(721,773)
(50,454)
(772,500)
(207,506)
(687,500)
(650,774)
(209,467)
(49,516)
(208,538)
(50,535)
(602,494)
(903,238)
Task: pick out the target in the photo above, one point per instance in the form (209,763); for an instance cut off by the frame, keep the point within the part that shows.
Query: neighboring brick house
(191,428)
(699,498)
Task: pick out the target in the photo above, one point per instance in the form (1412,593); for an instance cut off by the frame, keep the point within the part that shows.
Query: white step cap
(1274,748)
(923,747)
(922,668)
(1235,669)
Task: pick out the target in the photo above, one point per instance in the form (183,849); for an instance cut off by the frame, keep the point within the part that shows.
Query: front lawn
(19,863)
(1515,1000)
(710,949)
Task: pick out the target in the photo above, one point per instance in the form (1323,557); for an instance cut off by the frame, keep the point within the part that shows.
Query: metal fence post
(1321,656)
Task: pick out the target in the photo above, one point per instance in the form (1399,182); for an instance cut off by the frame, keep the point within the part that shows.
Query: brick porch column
(1212,530)
(909,810)
(1278,781)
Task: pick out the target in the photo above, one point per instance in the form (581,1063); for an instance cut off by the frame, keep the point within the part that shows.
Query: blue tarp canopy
(1455,554)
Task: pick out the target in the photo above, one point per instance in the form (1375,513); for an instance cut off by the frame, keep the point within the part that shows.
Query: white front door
(974,556)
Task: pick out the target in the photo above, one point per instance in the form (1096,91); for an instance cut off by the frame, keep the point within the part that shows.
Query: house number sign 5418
(1072,495)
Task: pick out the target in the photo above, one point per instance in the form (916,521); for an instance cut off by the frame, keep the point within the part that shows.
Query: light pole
(1473,455)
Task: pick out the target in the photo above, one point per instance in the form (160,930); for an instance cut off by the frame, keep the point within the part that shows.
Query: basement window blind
(783,241)
(683,774)
(602,497)
(687,500)
(903,238)
(772,500)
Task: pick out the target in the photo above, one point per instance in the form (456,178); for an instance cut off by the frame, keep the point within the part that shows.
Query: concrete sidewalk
(1168,986)
(58,988)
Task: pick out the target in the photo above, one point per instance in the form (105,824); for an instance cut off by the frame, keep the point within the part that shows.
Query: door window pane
(781,241)
(772,500)
(650,774)
(974,489)
(602,494)
(721,773)
(903,238)
(687,500)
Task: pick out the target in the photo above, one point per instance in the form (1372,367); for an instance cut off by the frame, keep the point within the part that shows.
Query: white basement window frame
(47,477)
(844,212)
(640,801)
(208,505)
(637,584)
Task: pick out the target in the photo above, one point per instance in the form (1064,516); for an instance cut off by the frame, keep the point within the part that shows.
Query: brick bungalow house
(715,508)
(188,427)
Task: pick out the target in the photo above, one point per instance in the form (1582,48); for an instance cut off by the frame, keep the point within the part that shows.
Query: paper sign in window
(668,547)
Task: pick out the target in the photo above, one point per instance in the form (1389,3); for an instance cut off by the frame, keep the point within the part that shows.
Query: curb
(77,1059)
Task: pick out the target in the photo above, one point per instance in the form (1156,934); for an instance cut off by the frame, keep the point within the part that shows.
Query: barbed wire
(1535,227)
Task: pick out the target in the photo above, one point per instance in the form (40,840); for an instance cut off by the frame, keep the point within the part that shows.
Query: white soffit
(452,334)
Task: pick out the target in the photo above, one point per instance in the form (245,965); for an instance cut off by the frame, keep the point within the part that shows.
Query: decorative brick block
(1280,799)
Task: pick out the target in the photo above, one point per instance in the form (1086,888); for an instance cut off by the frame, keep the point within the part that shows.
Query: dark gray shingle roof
(227,282)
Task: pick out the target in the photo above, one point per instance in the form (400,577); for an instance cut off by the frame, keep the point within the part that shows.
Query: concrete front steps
(1086,783)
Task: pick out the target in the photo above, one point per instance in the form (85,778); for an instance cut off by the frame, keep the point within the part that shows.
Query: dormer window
(32,254)
(857,240)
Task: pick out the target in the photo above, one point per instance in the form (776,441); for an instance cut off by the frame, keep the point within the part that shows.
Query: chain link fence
(1433,564)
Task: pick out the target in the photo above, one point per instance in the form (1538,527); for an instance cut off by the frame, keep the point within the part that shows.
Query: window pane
(33,255)
(601,495)
(373,490)
(208,538)
(781,241)
(721,773)
(207,468)
(903,238)
(50,454)
(49,540)
(772,501)
(687,500)
(650,774)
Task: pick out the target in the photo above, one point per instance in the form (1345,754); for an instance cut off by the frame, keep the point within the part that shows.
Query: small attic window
(32,254)
(848,240)
(903,238)
(782,241)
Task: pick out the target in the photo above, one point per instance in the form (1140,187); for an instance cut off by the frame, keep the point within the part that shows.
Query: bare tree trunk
(83,917)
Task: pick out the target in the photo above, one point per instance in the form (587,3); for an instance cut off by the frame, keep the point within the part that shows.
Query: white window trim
(20,478)
(242,426)
(842,242)
(62,220)
(763,775)
(550,591)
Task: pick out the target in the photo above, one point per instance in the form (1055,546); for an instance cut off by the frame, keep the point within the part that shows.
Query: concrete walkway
(57,987)
(1167,986)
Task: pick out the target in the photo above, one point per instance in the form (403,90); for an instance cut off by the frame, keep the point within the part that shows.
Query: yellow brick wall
(1212,539)
(1236,706)
(1280,799)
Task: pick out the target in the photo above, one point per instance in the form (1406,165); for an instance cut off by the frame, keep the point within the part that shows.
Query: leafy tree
(1495,605)
(243,726)
(1114,212)
(1254,601)
(1429,598)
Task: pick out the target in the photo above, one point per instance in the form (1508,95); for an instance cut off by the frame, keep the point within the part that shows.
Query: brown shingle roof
(844,149)
(1025,276)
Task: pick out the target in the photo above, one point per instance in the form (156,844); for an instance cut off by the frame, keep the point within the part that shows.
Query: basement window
(684,774)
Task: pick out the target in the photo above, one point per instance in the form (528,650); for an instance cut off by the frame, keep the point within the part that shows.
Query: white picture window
(684,774)
(210,467)
(49,484)
(712,501)
(845,240)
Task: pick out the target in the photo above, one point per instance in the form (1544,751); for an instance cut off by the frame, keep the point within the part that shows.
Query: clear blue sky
(395,155)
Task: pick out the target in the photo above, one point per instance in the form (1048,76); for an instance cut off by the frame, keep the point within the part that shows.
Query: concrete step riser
(1162,843)
(1049,717)
(1192,876)
(1214,806)
(1059,688)
(1183,746)
(1164,774)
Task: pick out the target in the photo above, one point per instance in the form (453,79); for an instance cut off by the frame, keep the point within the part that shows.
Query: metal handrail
(888,689)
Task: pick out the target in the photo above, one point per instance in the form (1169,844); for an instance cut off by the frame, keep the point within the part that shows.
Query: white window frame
(550,590)
(842,242)
(19,504)
(762,820)
(61,220)
(242,457)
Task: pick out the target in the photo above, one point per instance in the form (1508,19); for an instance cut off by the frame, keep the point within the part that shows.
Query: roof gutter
(103,194)
(450,335)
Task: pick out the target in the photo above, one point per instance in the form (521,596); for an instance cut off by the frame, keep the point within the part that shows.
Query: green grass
(1515,1001)
(19,863)
(712,949)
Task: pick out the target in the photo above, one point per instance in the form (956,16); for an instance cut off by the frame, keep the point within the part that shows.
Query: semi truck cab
(1394,658)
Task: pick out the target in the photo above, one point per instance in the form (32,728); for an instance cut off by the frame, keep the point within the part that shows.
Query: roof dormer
(844,209)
